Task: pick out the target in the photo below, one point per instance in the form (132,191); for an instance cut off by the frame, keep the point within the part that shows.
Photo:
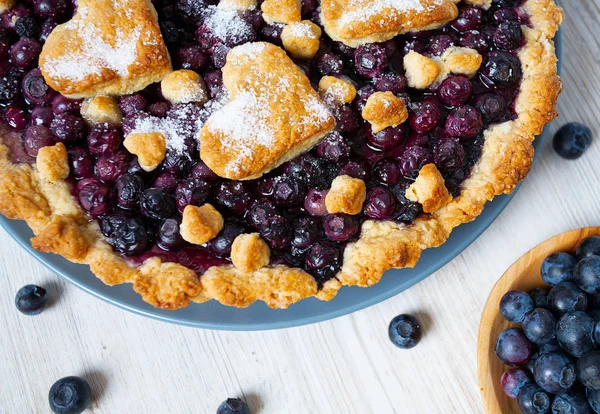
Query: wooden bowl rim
(487,382)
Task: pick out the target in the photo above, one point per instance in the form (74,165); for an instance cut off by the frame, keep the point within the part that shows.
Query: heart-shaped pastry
(356,22)
(110,47)
(273,114)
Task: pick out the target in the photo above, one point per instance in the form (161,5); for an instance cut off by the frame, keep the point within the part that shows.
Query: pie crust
(29,193)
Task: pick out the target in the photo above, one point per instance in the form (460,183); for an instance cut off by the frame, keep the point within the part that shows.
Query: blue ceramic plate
(213,315)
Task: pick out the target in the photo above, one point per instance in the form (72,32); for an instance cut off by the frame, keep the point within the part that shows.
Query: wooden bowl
(524,274)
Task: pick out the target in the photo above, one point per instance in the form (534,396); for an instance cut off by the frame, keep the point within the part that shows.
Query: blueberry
(95,197)
(233,406)
(554,372)
(513,348)
(514,305)
(111,223)
(405,331)
(69,395)
(341,227)
(277,232)
(324,260)
(566,297)
(307,230)
(572,140)
(132,238)
(169,234)
(588,247)
(539,297)
(575,333)
(588,370)
(508,35)
(501,69)
(558,268)
(593,397)
(539,325)
(233,196)
(157,204)
(380,204)
(31,300)
(221,245)
(513,380)
(370,60)
(587,274)
(464,122)
(194,191)
(572,402)
(129,187)
(26,26)
(533,400)
(455,90)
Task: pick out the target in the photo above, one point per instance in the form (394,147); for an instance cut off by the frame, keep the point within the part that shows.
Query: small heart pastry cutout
(273,114)
(110,47)
(356,22)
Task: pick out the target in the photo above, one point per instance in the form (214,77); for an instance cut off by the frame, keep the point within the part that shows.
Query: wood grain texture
(524,275)
(136,365)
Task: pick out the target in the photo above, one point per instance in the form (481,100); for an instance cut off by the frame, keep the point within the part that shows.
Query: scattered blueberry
(233,406)
(572,140)
(513,348)
(405,331)
(69,395)
(515,305)
(558,268)
(554,372)
(539,326)
(31,300)
(566,297)
(575,333)
(513,380)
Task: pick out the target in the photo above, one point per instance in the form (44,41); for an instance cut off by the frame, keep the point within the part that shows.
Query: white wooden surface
(348,365)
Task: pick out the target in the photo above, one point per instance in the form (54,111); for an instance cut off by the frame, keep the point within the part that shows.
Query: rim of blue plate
(212,315)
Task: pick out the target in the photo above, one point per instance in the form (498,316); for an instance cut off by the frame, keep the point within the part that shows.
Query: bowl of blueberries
(539,335)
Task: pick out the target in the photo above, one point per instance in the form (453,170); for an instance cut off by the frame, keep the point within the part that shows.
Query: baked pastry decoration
(107,48)
(277,162)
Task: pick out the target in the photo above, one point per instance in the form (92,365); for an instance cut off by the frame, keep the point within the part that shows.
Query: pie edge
(61,227)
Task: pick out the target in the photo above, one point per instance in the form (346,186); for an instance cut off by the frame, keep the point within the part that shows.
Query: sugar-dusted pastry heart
(356,22)
(273,114)
(110,47)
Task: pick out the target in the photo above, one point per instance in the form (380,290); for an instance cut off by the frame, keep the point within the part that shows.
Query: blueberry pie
(244,150)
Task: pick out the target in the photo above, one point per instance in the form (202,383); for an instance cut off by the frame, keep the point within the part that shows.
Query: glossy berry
(35,89)
(102,141)
(513,380)
(314,202)
(513,348)
(539,297)
(387,172)
(572,402)
(81,163)
(380,204)
(25,53)
(307,231)
(31,300)
(370,60)
(221,245)
(413,159)
(501,69)
(392,82)
(508,35)
(554,372)
(455,90)
(233,406)
(475,40)
(111,223)
(51,9)
(405,331)
(169,235)
(329,65)
(470,18)
(587,274)
(448,154)
(533,400)
(95,197)
(341,227)
(575,332)
(36,137)
(41,115)
(132,238)
(566,297)
(157,204)
(233,196)
(110,167)
(68,128)
(590,246)
(588,370)
(16,117)
(194,191)
(129,188)
(424,116)
(62,104)
(572,140)
(277,232)
(464,122)
(514,305)
(539,326)
(288,191)
(558,268)
(69,395)
(438,45)
(334,147)
(324,260)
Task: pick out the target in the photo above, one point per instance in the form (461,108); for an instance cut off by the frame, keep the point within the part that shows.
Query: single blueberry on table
(566,297)
(233,406)
(513,380)
(572,140)
(405,331)
(515,305)
(587,274)
(588,247)
(513,348)
(558,268)
(539,326)
(533,400)
(572,402)
(588,370)
(554,372)
(575,333)
(69,395)
(31,300)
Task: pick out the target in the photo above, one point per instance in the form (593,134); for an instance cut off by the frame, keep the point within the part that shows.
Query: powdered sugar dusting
(226,24)
(96,53)
(303,30)
(365,10)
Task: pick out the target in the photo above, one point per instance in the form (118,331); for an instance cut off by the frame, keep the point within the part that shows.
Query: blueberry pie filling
(140,209)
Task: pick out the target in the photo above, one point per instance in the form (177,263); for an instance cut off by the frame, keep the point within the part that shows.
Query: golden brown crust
(273,114)
(6,4)
(108,48)
(52,162)
(356,22)
(150,148)
(102,110)
(249,252)
(383,110)
(51,211)
(429,189)
(346,195)
(302,39)
(201,224)
(281,11)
